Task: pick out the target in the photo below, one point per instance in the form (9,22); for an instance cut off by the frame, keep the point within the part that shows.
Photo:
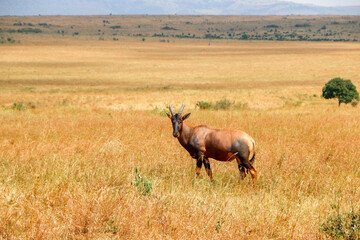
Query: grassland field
(166,28)
(79,116)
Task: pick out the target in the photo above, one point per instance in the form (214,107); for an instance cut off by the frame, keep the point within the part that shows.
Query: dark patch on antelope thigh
(241,147)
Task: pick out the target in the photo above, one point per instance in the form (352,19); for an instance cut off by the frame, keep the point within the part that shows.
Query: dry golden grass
(93,115)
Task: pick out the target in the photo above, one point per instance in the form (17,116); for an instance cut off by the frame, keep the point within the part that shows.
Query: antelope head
(177,120)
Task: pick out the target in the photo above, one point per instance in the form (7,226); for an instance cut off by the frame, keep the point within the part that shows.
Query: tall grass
(68,175)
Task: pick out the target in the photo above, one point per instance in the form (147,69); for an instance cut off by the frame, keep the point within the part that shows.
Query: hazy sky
(329,3)
(102,7)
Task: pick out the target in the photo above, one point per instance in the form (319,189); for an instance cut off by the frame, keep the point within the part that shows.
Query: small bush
(143,185)
(354,103)
(346,226)
(161,112)
(302,25)
(168,28)
(222,105)
(29,30)
(18,106)
(10,40)
(271,26)
(203,105)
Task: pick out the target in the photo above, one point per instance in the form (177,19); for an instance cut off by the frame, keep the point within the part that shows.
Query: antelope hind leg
(207,168)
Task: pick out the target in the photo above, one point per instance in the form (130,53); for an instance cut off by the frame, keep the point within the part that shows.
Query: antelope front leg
(198,165)
(207,168)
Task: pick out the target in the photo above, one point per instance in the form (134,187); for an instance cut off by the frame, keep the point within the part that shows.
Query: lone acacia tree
(343,90)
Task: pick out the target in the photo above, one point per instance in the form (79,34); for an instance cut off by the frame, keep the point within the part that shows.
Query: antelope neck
(185,134)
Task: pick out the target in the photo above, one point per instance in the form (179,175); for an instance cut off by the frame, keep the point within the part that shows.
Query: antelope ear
(185,116)
(168,115)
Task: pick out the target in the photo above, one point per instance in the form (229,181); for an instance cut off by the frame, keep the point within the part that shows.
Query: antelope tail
(252,160)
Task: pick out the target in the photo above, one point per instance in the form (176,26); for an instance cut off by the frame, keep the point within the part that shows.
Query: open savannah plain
(87,152)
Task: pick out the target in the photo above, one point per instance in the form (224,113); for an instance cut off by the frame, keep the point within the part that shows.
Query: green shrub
(354,103)
(345,226)
(203,105)
(143,185)
(271,26)
(168,28)
(161,112)
(10,40)
(29,30)
(222,105)
(302,25)
(18,106)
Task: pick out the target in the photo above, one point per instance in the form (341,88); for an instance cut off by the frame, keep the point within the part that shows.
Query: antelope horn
(171,110)
(181,109)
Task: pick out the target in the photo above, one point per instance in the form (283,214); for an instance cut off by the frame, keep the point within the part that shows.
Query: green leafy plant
(345,226)
(222,104)
(143,185)
(110,227)
(18,106)
(161,112)
(344,90)
(218,224)
(203,105)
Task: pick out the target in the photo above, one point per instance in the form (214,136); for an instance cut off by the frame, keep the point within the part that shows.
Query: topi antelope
(203,142)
